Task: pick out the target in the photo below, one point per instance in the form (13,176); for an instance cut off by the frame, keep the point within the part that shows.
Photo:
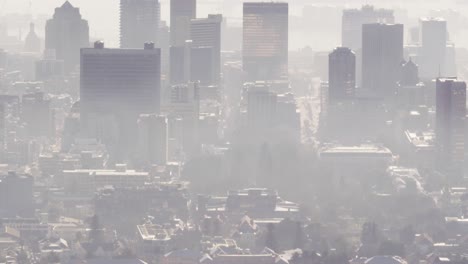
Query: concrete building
(450,127)
(382,53)
(265,40)
(139,22)
(67,33)
(342,74)
(182,12)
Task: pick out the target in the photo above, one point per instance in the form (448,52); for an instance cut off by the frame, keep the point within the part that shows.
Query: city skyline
(230,132)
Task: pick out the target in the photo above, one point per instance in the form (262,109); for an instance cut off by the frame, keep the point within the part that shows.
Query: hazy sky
(103,14)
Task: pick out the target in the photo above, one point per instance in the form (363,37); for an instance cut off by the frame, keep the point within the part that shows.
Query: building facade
(67,33)
(206,32)
(139,22)
(265,41)
(117,86)
(182,12)
(342,74)
(433,38)
(382,54)
(450,126)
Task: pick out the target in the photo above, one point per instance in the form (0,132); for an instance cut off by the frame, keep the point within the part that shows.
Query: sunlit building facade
(265,41)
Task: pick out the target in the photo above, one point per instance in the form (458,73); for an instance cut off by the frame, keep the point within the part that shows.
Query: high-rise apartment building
(265,40)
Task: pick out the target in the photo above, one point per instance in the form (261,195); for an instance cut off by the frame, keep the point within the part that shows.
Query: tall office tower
(182,12)
(179,63)
(117,85)
(202,66)
(32,43)
(265,41)
(206,32)
(352,22)
(433,37)
(261,107)
(67,33)
(139,22)
(341,74)
(450,126)
(152,139)
(382,54)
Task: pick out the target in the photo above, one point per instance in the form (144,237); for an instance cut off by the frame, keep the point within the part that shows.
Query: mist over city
(233,132)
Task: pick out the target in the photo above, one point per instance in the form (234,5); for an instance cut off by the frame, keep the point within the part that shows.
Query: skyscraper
(342,74)
(182,12)
(382,54)
(433,37)
(202,67)
(179,63)
(206,32)
(353,19)
(450,126)
(117,85)
(265,41)
(139,22)
(66,33)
